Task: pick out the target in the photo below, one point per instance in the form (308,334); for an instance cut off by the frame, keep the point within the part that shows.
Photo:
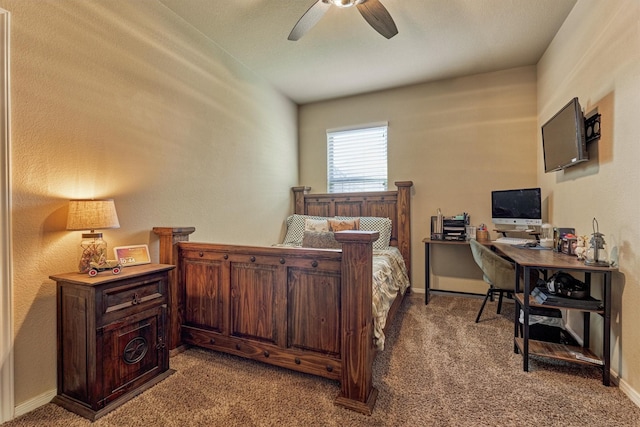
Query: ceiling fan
(371,10)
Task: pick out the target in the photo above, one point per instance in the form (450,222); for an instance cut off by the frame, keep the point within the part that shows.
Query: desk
(527,260)
(427,260)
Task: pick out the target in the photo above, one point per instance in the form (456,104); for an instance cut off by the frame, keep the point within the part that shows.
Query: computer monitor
(519,207)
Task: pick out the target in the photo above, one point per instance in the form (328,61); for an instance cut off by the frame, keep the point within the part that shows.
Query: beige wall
(596,57)
(455,139)
(121,99)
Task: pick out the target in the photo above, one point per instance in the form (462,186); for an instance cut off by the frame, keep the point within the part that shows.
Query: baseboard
(633,395)
(455,294)
(35,403)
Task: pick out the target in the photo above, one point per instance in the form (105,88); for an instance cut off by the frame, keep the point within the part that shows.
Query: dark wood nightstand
(111,337)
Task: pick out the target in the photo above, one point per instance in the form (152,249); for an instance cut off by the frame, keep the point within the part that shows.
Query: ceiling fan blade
(309,19)
(378,17)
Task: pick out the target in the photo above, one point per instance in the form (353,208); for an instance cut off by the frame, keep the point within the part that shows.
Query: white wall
(122,99)
(456,139)
(596,57)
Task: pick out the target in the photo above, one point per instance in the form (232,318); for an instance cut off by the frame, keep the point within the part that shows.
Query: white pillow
(318,225)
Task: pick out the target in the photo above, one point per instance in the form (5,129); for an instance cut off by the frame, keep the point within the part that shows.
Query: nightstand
(111,337)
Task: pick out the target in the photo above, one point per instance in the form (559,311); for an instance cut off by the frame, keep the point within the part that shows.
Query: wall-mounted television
(563,138)
(520,207)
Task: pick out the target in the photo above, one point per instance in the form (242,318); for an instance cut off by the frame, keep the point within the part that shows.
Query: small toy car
(112,265)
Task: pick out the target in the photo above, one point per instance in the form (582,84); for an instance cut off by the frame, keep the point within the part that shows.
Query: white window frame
(357,158)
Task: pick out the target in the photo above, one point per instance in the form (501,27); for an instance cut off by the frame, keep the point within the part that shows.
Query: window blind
(357,160)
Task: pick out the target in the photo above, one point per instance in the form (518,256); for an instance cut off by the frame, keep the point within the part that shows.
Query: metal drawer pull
(136,299)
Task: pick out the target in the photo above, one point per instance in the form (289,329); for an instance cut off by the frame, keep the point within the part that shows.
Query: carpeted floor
(439,369)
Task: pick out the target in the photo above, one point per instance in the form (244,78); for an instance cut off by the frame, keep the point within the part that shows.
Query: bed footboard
(307,310)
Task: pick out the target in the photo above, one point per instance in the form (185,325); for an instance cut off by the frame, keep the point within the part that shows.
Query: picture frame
(132,255)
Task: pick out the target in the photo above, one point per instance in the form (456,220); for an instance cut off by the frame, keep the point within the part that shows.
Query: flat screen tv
(563,138)
(519,207)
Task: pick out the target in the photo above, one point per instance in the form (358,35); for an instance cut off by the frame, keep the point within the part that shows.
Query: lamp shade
(92,215)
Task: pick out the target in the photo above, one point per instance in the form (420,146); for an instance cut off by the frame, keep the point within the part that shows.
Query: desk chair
(499,273)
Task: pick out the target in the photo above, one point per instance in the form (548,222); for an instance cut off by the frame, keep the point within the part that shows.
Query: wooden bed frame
(303,309)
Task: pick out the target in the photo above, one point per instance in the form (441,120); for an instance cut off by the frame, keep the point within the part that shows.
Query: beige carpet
(439,369)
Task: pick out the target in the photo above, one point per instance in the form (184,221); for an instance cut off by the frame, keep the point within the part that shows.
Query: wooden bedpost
(298,199)
(169,236)
(356,386)
(404,221)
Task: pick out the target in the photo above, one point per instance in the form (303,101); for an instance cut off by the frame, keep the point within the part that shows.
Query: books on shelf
(581,356)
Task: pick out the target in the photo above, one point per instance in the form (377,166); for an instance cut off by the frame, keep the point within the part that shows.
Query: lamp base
(93,250)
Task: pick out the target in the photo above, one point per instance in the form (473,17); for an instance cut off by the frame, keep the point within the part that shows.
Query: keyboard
(513,240)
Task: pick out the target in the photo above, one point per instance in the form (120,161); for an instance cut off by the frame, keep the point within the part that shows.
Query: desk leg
(586,321)
(606,342)
(516,319)
(427,272)
(525,326)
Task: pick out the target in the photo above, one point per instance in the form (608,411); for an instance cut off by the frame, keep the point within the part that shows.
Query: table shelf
(533,303)
(559,351)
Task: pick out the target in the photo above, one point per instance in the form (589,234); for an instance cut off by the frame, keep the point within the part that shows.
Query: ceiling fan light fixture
(345,3)
(371,10)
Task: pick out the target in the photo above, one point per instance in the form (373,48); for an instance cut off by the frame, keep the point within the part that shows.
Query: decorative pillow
(320,239)
(295,229)
(316,224)
(382,226)
(344,224)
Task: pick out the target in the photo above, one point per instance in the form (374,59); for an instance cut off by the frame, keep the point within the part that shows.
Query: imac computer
(521,208)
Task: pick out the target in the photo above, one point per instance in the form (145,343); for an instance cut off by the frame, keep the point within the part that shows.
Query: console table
(527,260)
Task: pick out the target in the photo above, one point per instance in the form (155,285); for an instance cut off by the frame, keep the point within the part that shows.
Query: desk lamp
(597,254)
(92,215)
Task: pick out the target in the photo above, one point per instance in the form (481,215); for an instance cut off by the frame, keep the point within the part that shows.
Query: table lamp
(93,214)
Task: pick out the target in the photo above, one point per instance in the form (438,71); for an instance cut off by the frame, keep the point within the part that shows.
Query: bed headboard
(394,205)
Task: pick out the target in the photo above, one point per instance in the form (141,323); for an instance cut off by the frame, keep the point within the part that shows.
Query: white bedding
(389,277)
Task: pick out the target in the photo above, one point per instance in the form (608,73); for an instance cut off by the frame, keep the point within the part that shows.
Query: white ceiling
(342,55)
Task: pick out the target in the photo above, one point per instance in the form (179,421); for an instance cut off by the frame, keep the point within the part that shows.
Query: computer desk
(427,259)
(526,260)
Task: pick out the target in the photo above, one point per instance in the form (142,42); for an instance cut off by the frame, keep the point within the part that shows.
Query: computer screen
(520,207)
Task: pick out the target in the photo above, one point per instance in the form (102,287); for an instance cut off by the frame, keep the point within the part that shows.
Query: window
(357,159)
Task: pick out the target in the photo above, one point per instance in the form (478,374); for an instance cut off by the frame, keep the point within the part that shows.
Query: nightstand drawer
(134,294)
